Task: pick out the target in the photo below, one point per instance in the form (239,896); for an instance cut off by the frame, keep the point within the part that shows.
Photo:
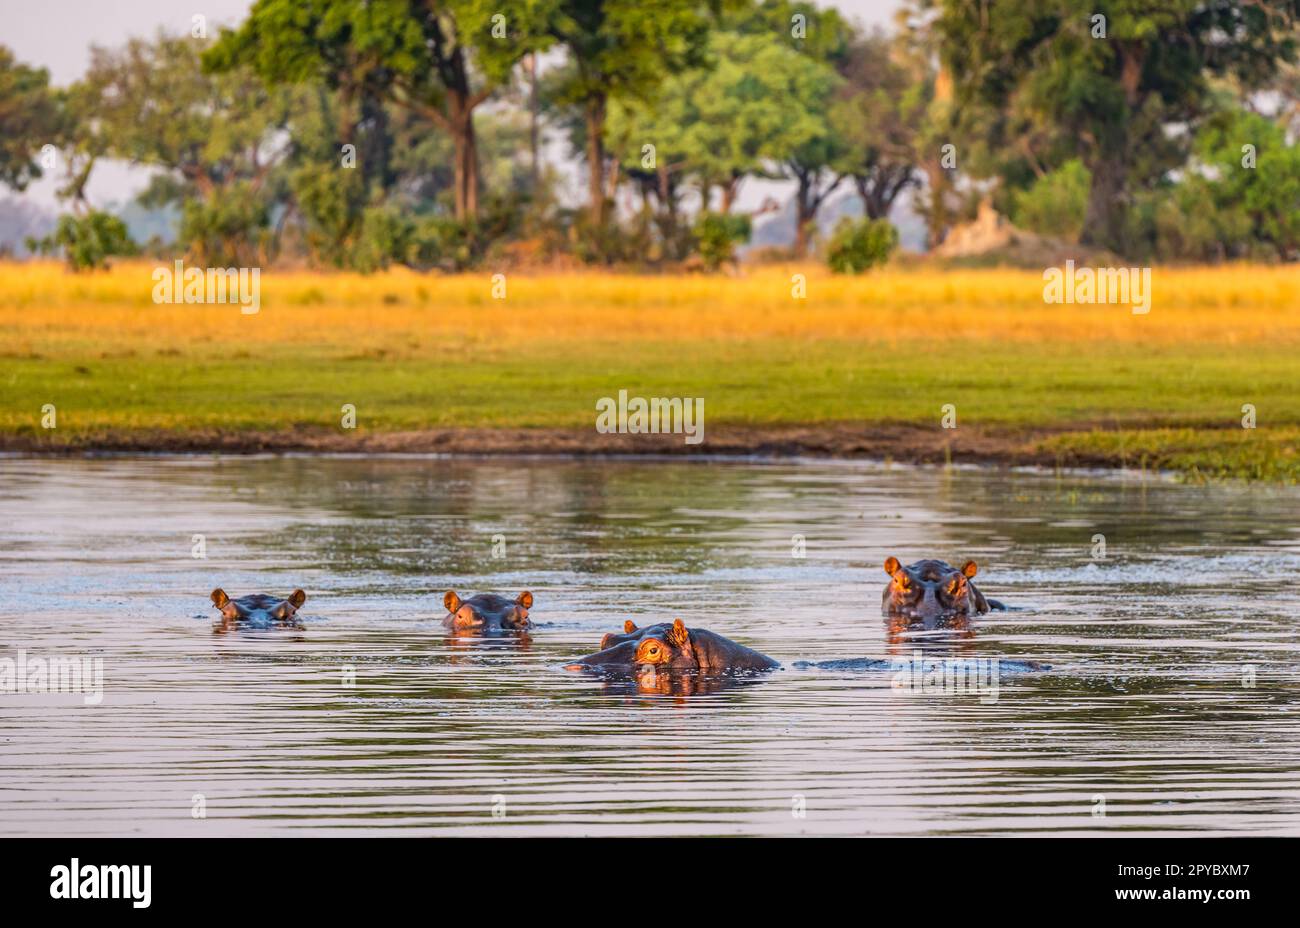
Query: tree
(737,115)
(917,46)
(620,49)
(421,54)
(1113,87)
(30,115)
(213,137)
(815,163)
(878,113)
(822,39)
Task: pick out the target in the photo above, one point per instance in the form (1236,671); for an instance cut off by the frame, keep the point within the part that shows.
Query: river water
(1170,616)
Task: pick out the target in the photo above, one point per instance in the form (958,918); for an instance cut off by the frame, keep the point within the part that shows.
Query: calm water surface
(1147,714)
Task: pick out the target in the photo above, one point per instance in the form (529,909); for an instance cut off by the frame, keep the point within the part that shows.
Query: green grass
(1175,407)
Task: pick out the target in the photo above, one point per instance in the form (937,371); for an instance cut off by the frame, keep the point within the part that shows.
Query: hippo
(932,591)
(658,647)
(673,647)
(487,612)
(259,608)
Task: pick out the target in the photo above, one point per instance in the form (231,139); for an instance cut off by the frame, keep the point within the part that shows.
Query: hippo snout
(929,607)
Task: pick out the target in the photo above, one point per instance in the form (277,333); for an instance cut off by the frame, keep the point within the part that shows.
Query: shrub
(386,236)
(1054,204)
(858,245)
(716,236)
(88,241)
(610,243)
(331,203)
(227,229)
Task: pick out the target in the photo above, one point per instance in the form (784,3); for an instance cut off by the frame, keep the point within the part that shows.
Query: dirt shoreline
(901,443)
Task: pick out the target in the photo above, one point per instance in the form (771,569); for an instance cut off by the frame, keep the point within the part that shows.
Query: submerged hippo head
(672,646)
(487,612)
(258,607)
(632,633)
(931,590)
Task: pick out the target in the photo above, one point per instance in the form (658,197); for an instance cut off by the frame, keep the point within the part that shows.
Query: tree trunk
(595,117)
(465,162)
(667,218)
(533,134)
(805,213)
(470,158)
(879,192)
(1103,221)
(870,202)
(937,217)
(376,158)
(729,192)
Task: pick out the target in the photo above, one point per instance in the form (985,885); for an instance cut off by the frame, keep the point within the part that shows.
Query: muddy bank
(902,443)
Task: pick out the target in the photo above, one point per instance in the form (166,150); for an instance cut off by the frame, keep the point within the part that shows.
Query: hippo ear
(219,598)
(451,601)
(629,627)
(970,568)
(679,635)
(891,565)
(297,598)
(525,599)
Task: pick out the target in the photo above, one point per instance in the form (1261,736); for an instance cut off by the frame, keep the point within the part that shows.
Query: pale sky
(57,35)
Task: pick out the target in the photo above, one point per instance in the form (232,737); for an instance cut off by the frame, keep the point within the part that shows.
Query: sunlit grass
(416,351)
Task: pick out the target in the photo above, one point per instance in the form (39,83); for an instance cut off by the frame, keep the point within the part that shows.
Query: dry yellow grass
(45,309)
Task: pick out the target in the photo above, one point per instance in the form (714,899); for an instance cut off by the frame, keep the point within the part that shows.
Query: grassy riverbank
(862,366)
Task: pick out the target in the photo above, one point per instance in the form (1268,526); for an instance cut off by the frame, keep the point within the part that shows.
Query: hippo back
(716,653)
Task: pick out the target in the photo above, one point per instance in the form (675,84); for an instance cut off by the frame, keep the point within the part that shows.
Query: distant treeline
(362,133)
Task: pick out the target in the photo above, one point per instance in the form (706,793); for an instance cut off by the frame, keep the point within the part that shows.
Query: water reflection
(645,681)
(470,644)
(224,625)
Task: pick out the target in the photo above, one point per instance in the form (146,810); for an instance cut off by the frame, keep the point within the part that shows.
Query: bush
(386,236)
(1054,204)
(858,245)
(227,229)
(88,241)
(610,243)
(716,236)
(1264,194)
(331,202)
